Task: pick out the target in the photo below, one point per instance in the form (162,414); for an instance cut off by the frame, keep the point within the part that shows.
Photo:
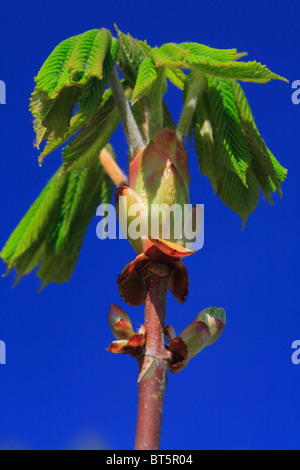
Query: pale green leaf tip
(44,284)
(7,269)
(278,77)
(239,55)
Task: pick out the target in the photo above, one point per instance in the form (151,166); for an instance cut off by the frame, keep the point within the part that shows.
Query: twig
(154,363)
(112,168)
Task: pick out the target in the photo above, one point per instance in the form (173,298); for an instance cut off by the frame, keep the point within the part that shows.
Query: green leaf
(147,74)
(204,143)
(52,231)
(241,199)
(54,73)
(94,135)
(35,223)
(230,149)
(53,143)
(169,55)
(74,60)
(176,76)
(95,131)
(57,119)
(94,88)
(76,71)
(88,56)
(218,62)
(40,105)
(131,54)
(245,71)
(267,169)
(212,312)
(230,145)
(185,54)
(198,52)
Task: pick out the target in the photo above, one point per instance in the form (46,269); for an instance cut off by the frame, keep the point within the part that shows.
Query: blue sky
(60,388)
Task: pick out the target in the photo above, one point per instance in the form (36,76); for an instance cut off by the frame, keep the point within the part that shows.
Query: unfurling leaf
(230,149)
(131,55)
(147,74)
(95,134)
(52,231)
(76,71)
(217,62)
(176,76)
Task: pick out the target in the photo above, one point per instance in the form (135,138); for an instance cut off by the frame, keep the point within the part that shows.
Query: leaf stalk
(133,135)
(197,84)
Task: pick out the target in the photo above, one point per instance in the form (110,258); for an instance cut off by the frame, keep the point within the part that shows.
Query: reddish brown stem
(112,168)
(154,362)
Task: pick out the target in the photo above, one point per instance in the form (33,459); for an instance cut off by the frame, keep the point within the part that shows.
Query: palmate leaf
(84,149)
(94,134)
(245,71)
(236,196)
(230,145)
(134,58)
(204,143)
(131,55)
(198,52)
(185,54)
(74,61)
(267,169)
(146,76)
(52,231)
(52,143)
(230,149)
(217,62)
(76,71)
(169,55)
(176,76)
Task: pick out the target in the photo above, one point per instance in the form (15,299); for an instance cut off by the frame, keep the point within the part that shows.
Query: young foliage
(76,71)
(52,231)
(176,76)
(131,55)
(218,62)
(146,76)
(53,143)
(137,66)
(230,149)
(94,134)
(84,149)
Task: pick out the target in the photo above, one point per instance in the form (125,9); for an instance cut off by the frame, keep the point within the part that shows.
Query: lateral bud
(127,341)
(202,332)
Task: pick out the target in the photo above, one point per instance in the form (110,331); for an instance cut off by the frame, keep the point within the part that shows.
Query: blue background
(60,388)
